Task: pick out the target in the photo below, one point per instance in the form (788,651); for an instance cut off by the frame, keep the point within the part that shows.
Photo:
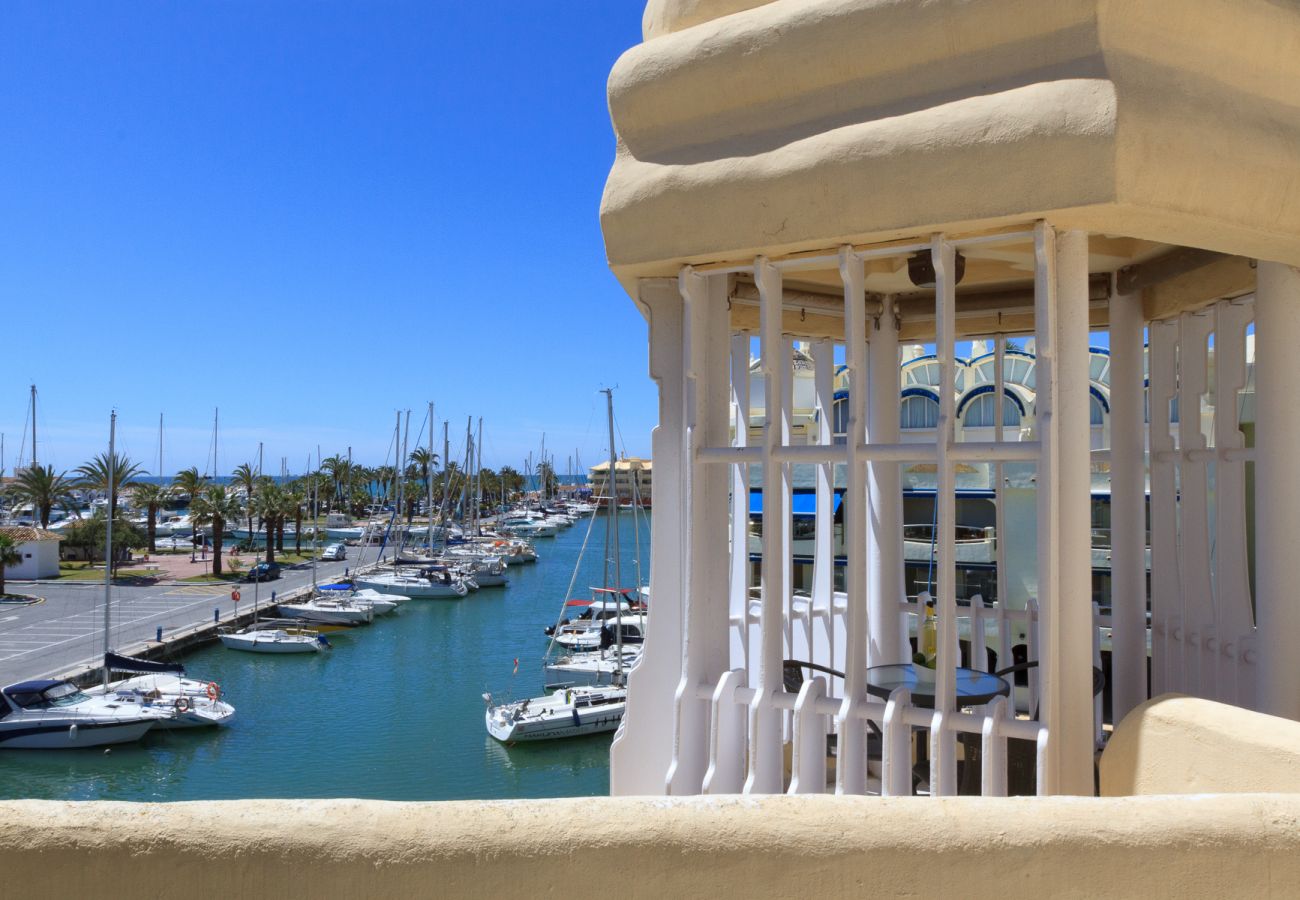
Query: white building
(828,182)
(39,550)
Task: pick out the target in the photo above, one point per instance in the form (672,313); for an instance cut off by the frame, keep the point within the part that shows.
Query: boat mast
(446,480)
(160,444)
(469,450)
(428,481)
(315,513)
(478,478)
(613,533)
(34,435)
(108,538)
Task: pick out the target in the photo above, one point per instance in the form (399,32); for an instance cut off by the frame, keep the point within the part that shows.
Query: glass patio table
(973,688)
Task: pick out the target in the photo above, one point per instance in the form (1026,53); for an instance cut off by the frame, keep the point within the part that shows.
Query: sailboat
(276,639)
(583,709)
(426,583)
(160,689)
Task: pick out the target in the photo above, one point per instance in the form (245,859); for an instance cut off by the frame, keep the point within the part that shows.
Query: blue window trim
(988,389)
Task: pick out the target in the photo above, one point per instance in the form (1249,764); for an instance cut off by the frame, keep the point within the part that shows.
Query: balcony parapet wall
(780,847)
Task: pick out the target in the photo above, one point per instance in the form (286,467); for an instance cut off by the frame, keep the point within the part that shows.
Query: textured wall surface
(1184,745)
(1242,845)
(805,123)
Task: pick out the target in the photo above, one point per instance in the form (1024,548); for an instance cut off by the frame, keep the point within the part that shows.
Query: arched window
(1096,414)
(979,412)
(919,411)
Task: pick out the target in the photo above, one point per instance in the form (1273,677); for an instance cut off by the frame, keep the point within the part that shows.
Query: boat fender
(182,704)
(577,720)
(214,690)
(72,732)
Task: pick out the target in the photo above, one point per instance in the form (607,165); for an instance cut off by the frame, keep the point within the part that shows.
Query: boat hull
(258,642)
(60,736)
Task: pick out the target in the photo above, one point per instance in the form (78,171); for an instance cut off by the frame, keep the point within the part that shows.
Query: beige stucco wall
(748,848)
(806,123)
(1184,745)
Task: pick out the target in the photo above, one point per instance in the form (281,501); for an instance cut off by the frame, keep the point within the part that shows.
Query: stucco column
(704,646)
(1064,519)
(1127,507)
(1277,495)
(884,490)
(642,750)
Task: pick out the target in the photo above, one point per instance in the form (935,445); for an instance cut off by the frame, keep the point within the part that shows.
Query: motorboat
(529,527)
(597,635)
(329,610)
(274,640)
(572,712)
(382,604)
(429,584)
(196,703)
(604,603)
(598,667)
(48,714)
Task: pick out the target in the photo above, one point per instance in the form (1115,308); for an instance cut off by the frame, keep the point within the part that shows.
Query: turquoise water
(394,712)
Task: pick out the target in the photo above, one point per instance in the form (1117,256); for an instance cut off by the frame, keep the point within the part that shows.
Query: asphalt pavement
(66,629)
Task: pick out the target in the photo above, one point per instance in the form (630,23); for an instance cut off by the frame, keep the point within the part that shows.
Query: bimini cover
(116,663)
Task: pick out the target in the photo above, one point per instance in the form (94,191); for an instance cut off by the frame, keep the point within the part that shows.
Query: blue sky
(311,214)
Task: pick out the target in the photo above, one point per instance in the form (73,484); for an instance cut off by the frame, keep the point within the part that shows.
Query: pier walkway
(65,630)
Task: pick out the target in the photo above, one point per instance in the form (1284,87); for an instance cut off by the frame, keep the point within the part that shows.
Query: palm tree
(216,506)
(152,497)
(110,474)
(9,556)
(546,478)
(246,478)
(189,482)
(295,497)
(39,486)
(270,503)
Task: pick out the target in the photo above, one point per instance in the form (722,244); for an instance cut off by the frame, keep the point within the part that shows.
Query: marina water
(393,712)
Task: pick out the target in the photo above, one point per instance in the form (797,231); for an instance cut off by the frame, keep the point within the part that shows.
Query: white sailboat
(274,640)
(572,712)
(186,702)
(580,710)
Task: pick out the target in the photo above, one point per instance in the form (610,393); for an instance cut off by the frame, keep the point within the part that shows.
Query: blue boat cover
(335,587)
(802,503)
(34,687)
(116,663)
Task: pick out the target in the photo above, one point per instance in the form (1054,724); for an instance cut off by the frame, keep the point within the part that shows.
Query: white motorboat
(382,604)
(274,640)
(416,586)
(577,637)
(601,667)
(54,715)
(572,712)
(529,527)
(330,611)
(196,703)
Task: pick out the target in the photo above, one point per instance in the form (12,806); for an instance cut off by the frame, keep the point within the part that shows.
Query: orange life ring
(214,690)
(234,595)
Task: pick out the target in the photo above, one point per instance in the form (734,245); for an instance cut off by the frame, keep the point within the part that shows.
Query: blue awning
(803,503)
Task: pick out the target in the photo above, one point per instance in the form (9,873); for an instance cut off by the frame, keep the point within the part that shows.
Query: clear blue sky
(311,214)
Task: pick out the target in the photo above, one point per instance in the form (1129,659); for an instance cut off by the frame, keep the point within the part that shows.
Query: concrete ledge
(1241,845)
(1174,744)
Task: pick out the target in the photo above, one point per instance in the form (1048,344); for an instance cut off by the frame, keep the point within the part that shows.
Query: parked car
(334,552)
(263,572)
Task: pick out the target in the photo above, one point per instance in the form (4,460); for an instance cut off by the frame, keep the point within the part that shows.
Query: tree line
(338,485)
